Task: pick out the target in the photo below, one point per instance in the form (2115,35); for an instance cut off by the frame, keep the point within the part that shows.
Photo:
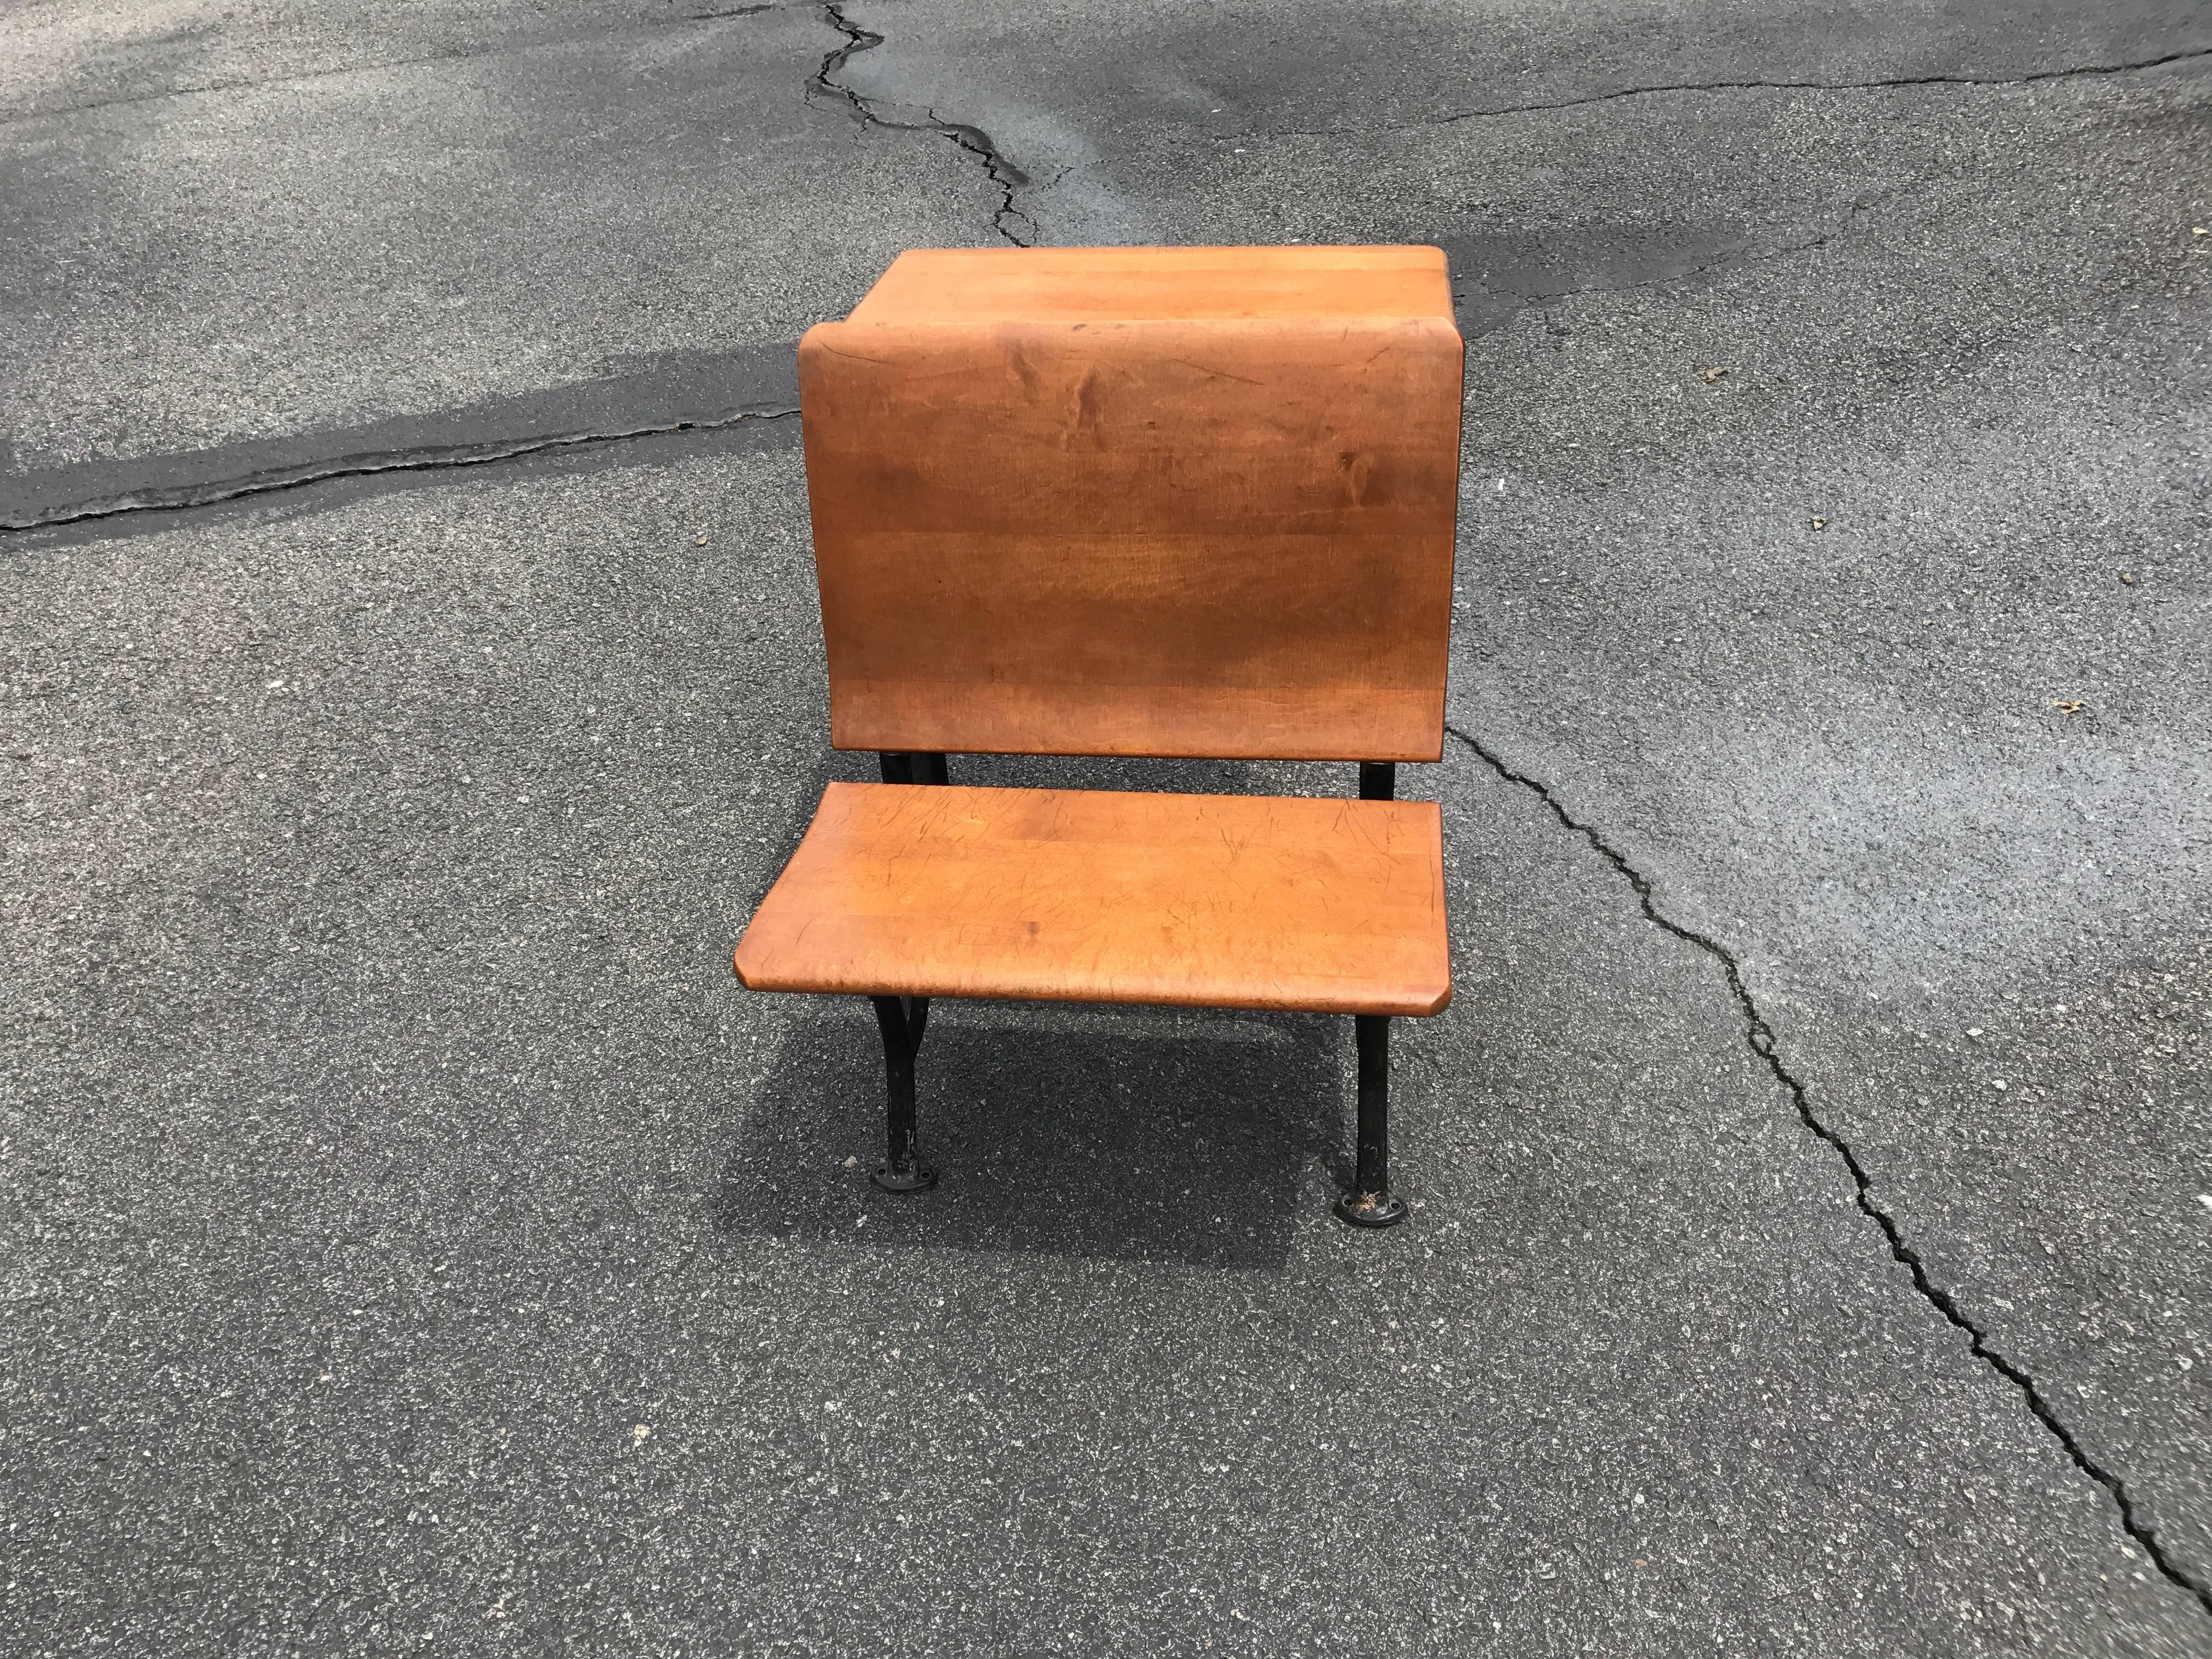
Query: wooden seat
(1332,907)
(1130,501)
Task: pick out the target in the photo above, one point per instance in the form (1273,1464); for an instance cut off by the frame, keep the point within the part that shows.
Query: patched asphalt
(413,1238)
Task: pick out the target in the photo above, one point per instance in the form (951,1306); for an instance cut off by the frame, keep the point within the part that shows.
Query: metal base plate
(919,1177)
(1387,1213)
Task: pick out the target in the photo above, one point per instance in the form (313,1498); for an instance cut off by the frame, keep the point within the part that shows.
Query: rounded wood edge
(755,980)
(1445,327)
(964,991)
(854,734)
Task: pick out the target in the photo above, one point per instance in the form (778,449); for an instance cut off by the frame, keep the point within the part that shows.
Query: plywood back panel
(1139,501)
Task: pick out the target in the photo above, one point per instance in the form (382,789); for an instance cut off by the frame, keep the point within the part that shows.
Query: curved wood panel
(1213,901)
(1139,501)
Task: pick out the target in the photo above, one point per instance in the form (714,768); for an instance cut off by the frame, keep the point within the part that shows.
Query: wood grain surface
(1139,501)
(1214,900)
(1141,285)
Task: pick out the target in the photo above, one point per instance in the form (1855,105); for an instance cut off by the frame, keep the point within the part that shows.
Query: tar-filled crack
(972,139)
(1759,1036)
(429,459)
(2032,78)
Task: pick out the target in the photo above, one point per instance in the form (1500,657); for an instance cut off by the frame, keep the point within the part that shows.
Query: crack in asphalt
(972,139)
(429,458)
(2033,77)
(1759,1036)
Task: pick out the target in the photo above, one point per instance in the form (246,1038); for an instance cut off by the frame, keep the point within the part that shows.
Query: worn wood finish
(1141,285)
(1214,900)
(1139,501)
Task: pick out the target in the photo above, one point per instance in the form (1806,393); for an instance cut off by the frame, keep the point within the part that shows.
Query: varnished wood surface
(1139,501)
(1214,900)
(1139,284)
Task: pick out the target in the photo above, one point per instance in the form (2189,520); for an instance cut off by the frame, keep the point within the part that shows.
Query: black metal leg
(1370,1203)
(901,1019)
(1378,780)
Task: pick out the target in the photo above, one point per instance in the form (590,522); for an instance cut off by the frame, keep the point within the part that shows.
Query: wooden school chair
(1130,501)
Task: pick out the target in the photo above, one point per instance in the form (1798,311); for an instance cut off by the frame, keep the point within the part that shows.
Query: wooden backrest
(1139,501)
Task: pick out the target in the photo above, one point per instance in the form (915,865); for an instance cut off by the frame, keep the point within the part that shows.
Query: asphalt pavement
(413,1238)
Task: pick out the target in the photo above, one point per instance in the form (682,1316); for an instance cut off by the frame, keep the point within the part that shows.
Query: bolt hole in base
(916,1178)
(1368,1210)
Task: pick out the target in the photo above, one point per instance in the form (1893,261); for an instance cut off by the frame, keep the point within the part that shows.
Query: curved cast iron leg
(901,1019)
(1370,1203)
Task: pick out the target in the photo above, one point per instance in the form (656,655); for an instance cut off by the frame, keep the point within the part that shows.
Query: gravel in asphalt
(423,1237)
(413,1233)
